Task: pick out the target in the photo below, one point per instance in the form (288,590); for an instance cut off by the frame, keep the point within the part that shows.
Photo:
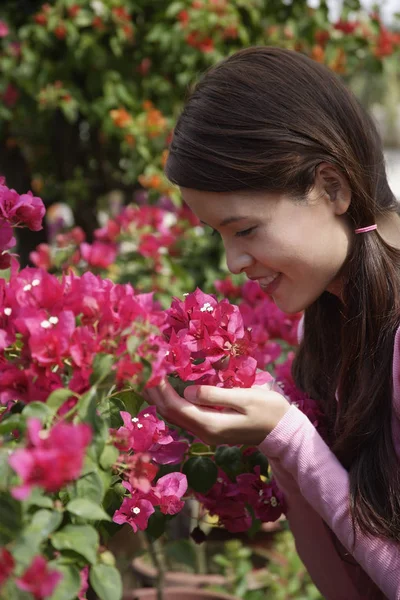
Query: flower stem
(159,566)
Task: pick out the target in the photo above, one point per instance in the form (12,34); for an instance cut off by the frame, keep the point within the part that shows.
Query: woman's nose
(237,261)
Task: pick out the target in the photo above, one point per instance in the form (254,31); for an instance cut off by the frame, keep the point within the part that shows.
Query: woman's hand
(248,415)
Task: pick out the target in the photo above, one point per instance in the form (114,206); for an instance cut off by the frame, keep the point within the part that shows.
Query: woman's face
(295,250)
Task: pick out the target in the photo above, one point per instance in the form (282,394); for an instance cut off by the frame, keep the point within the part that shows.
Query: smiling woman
(274,153)
(274,240)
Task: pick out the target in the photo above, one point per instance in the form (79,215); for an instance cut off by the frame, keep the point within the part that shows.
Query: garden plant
(90,91)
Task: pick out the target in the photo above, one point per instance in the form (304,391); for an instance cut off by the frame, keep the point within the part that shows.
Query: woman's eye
(245,232)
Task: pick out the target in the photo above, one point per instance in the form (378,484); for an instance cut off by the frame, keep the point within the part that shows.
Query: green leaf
(230,459)
(102,366)
(10,518)
(5,470)
(57,398)
(37,498)
(82,539)
(258,459)
(9,423)
(87,510)
(109,457)
(201,473)
(132,401)
(106,582)
(156,524)
(37,410)
(199,448)
(87,406)
(43,523)
(70,584)
(109,409)
(90,486)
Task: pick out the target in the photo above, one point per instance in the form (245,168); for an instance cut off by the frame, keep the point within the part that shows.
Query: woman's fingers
(207,395)
(203,421)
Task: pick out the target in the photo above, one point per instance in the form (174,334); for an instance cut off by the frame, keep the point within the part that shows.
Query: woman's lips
(269,284)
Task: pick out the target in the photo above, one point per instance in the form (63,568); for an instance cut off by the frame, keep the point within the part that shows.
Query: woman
(275,154)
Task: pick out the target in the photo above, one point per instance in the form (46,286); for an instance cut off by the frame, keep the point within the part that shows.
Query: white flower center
(53,320)
(135,419)
(27,287)
(45,324)
(135,510)
(206,307)
(35,282)
(7,311)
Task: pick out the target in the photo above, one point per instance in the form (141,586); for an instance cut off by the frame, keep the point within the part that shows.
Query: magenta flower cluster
(53,332)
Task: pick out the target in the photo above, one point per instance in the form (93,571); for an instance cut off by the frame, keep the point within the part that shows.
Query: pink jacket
(316,488)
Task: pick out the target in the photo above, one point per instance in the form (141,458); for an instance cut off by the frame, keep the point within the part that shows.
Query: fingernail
(190,393)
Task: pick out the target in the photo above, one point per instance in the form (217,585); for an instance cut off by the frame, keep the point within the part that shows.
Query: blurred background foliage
(90,89)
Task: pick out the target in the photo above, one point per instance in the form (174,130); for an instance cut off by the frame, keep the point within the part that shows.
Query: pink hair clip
(366,229)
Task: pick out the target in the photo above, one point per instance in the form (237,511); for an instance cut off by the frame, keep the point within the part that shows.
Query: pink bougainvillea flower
(4,31)
(10,95)
(99,254)
(50,338)
(52,458)
(265,498)
(84,575)
(141,471)
(225,501)
(41,257)
(168,454)
(24,209)
(7,239)
(39,579)
(144,430)
(170,489)
(7,564)
(135,511)
(210,343)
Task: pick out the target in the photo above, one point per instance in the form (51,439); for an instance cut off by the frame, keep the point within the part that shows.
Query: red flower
(98,254)
(38,579)
(52,458)
(60,31)
(128,31)
(322,36)
(40,19)
(183,17)
(98,24)
(144,66)
(347,27)
(74,10)
(121,13)
(6,565)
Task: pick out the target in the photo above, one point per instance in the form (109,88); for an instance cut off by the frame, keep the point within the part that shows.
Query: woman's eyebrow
(226,221)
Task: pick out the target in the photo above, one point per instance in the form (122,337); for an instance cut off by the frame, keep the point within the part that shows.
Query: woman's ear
(334,185)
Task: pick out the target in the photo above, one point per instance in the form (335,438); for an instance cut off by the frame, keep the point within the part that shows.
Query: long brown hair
(263,119)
